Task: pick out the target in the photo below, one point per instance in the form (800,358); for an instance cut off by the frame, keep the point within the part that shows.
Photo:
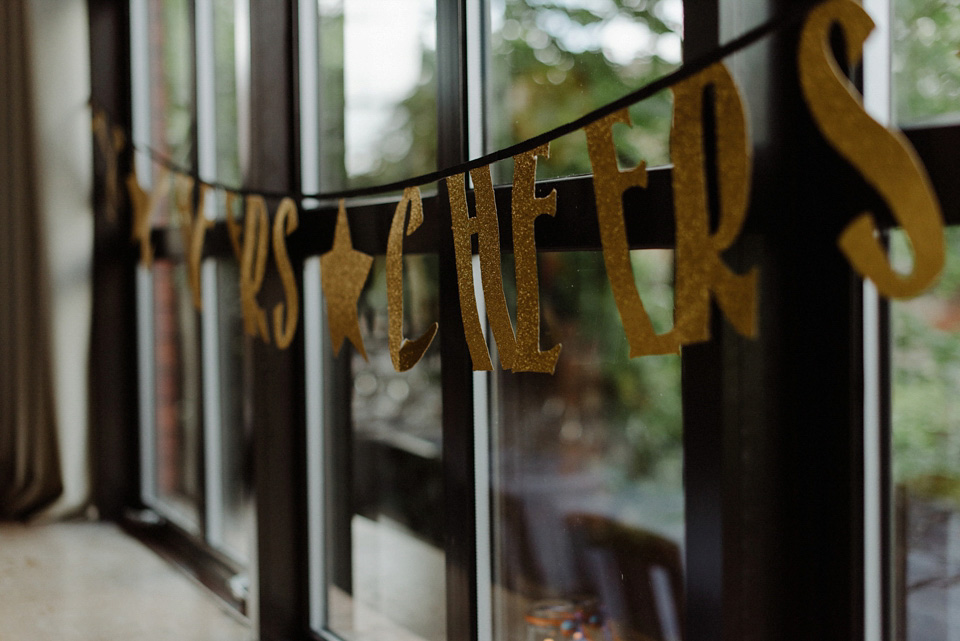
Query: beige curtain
(30,476)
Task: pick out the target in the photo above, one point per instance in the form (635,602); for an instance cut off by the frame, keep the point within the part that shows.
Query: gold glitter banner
(882,156)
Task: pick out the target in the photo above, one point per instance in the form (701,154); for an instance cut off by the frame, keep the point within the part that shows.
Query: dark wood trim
(274,378)
(113,414)
(929,143)
(809,415)
(705,485)
(457,377)
(775,545)
(649,225)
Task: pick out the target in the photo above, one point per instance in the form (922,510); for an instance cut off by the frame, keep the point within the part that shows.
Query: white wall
(61,85)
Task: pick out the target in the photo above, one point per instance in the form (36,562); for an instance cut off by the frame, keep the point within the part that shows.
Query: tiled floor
(91,582)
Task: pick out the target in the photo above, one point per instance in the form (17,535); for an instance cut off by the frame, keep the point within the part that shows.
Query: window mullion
(460,534)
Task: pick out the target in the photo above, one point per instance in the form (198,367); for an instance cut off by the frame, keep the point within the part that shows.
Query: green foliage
(926,67)
(225,86)
(926,377)
(548,66)
(175,103)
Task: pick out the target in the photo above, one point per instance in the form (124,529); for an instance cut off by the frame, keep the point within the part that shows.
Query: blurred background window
(188,82)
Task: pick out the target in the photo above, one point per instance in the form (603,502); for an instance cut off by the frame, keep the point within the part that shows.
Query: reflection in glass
(386,572)
(236,475)
(377,91)
(926,452)
(576,56)
(230,506)
(587,467)
(177,380)
(926,69)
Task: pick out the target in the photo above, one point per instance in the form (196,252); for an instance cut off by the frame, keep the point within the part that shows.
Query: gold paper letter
(110,141)
(284,224)
(193,228)
(404,353)
(487,228)
(700,270)
(526,208)
(609,183)
(251,275)
(143,206)
(883,156)
(234,230)
(463,228)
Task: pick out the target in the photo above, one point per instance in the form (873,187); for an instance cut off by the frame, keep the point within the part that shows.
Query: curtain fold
(30,474)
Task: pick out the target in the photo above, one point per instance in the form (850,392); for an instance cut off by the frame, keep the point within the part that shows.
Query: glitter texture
(343,271)
(700,270)
(403,353)
(526,208)
(463,228)
(883,156)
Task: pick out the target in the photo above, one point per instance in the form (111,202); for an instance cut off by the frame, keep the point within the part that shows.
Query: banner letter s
(884,157)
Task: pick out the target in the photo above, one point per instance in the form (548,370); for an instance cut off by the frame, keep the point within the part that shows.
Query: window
(546,451)
(194,447)
(729,491)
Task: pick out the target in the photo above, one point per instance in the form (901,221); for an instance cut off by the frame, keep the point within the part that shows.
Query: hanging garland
(882,156)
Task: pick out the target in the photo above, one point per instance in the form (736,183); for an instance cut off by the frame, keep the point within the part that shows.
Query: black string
(665,82)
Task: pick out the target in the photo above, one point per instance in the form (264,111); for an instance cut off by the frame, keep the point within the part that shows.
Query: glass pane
(926,452)
(587,468)
(377,91)
(171,71)
(236,474)
(386,567)
(575,56)
(926,68)
(177,376)
(226,98)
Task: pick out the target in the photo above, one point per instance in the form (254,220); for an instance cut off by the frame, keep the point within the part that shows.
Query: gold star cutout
(343,271)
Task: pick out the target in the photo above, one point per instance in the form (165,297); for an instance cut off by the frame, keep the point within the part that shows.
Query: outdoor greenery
(550,62)
(926,377)
(171,128)
(554,61)
(926,330)
(926,66)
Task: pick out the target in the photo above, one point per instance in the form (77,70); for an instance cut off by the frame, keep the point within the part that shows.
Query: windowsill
(86,581)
